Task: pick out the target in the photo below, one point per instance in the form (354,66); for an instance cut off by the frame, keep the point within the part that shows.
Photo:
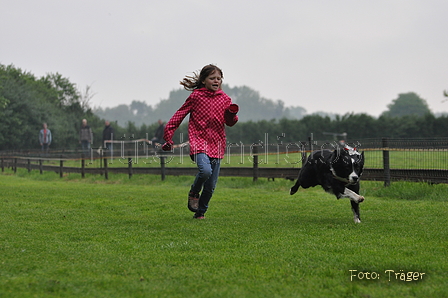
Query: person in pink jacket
(210,109)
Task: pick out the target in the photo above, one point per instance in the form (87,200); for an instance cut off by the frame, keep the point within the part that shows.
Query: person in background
(85,137)
(108,134)
(45,138)
(158,135)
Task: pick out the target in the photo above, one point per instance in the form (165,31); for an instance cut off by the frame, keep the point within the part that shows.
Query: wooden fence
(386,173)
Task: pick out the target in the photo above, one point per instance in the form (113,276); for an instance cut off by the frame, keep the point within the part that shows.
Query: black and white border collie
(337,171)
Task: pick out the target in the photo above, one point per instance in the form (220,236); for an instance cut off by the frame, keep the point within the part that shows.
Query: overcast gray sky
(336,56)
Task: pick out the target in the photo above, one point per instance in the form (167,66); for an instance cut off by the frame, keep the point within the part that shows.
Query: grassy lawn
(135,238)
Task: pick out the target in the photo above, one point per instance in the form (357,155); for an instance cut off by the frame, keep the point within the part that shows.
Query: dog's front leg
(355,209)
(352,195)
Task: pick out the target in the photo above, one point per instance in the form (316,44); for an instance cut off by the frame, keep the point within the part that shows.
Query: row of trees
(407,116)
(26,102)
(356,127)
(253,107)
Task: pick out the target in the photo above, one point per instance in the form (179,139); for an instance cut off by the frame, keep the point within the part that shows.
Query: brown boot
(193,201)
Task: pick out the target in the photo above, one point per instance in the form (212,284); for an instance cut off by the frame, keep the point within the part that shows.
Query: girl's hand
(233,108)
(168,146)
(230,116)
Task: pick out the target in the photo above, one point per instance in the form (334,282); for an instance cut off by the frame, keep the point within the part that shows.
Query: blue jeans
(85,148)
(45,148)
(205,179)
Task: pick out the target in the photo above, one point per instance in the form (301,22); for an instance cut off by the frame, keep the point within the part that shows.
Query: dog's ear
(336,155)
(343,151)
(361,162)
(360,159)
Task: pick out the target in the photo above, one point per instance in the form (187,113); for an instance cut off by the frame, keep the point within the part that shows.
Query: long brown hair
(193,82)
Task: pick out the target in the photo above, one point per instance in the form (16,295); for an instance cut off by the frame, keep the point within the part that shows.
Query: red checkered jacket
(208,115)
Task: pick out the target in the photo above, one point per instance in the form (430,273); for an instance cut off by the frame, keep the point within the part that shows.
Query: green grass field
(74,237)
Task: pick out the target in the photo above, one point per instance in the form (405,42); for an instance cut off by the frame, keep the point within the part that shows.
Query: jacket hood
(210,92)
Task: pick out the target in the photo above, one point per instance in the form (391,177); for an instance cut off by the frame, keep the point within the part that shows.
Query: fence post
(28,165)
(106,173)
(303,152)
(100,159)
(386,162)
(61,166)
(15,165)
(3,164)
(130,164)
(255,165)
(40,166)
(162,166)
(83,166)
(310,143)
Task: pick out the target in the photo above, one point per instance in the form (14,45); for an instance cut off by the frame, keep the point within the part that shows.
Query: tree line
(27,101)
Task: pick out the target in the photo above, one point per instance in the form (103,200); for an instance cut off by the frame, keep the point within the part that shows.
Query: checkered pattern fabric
(206,127)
